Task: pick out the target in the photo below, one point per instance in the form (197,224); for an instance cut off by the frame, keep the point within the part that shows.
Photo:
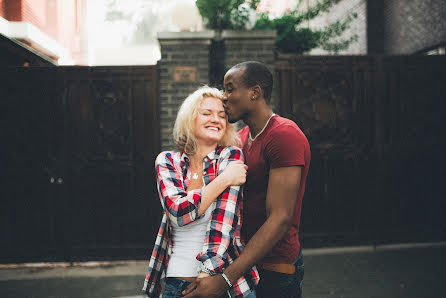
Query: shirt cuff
(214,264)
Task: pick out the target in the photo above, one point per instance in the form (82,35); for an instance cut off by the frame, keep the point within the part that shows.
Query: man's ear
(256,92)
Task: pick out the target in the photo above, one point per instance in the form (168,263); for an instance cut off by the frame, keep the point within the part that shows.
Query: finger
(190,288)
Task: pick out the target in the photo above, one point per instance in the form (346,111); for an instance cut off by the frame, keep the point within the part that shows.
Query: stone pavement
(414,270)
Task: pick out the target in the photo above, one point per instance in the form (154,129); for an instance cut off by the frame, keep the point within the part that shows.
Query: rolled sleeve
(181,206)
(224,219)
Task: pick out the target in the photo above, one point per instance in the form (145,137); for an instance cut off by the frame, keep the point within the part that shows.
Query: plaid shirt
(222,243)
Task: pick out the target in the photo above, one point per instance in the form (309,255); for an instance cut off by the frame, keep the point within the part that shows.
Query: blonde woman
(200,191)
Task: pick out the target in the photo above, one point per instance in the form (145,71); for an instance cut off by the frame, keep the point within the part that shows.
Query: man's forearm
(258,246)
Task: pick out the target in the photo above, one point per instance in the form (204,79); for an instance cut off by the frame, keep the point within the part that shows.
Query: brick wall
(11,10)
(36,12)
(62,20)
(180,51)
(41,14)
(189,52)
(249,45)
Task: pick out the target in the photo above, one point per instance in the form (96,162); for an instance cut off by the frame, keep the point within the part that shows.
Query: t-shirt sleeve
(285,147)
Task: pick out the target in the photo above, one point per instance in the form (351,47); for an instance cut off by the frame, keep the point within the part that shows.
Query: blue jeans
(276,284)
(174,287)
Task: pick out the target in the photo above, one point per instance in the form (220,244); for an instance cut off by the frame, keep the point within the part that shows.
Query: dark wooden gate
(78,146)
(376,130)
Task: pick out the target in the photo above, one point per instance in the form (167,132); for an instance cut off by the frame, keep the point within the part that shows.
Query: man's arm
(283,186)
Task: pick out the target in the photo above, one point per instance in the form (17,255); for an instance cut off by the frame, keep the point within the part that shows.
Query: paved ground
(387,271)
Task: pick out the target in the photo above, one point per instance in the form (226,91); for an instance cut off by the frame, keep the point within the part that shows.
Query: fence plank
(374,127)
(82,143)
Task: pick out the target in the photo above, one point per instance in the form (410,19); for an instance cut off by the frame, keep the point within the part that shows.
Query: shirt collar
(184,157)
(213,155)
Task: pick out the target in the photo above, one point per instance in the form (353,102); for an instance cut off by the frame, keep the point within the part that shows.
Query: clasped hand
(235,173)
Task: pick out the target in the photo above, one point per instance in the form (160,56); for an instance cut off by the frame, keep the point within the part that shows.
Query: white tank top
(187,244)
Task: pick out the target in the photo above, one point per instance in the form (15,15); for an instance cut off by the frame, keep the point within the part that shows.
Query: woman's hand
(235,173)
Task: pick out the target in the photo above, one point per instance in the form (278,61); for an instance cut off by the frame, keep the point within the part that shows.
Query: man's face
(236,96)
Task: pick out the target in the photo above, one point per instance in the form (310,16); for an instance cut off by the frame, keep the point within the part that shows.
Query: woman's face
(210,123)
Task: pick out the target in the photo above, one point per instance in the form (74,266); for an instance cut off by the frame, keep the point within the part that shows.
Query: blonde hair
(183,130)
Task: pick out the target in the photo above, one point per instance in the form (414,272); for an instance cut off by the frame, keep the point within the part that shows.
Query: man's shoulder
(284,126)
(282,121)
(285,132)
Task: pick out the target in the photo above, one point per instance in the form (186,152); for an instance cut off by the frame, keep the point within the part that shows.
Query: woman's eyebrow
(211,110)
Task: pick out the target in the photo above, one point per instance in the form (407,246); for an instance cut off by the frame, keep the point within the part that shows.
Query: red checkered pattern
(222,243)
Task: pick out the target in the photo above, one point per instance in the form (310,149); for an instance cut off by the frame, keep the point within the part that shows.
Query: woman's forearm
(211,192)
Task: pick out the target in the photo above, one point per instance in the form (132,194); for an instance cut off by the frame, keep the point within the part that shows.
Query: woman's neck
(204,150)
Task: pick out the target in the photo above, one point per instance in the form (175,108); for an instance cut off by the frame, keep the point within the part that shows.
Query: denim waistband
(177,282)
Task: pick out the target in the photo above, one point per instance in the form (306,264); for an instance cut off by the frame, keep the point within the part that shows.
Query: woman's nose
(214,118)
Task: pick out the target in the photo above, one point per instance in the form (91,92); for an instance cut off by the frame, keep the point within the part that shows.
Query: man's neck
(257,120)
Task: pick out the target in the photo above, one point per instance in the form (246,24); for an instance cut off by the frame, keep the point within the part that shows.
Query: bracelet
(205,269)
(226,279)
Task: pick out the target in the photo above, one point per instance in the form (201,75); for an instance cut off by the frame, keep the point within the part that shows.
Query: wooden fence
(376,130)
(78,148)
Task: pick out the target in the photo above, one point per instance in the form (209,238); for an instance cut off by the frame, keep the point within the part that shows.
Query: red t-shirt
(281,144)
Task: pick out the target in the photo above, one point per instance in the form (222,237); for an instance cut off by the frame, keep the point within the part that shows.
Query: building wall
(11,10)
(341,11)
(413,25)
(249,45)
(40,13)
(62,20)
(398,27)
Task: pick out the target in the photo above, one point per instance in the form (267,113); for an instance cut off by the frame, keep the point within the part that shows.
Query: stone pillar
(184,66)
(257,45)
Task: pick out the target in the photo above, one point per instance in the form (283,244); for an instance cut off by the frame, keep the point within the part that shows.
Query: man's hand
(212,286)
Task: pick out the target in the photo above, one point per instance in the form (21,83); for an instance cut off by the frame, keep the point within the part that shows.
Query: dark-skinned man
(278,157)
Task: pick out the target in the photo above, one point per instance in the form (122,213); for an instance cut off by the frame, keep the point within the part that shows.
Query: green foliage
(292,34)
(292,37)
(225,14)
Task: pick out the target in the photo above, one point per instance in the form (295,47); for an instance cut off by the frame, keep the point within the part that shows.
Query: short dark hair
(256,73)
